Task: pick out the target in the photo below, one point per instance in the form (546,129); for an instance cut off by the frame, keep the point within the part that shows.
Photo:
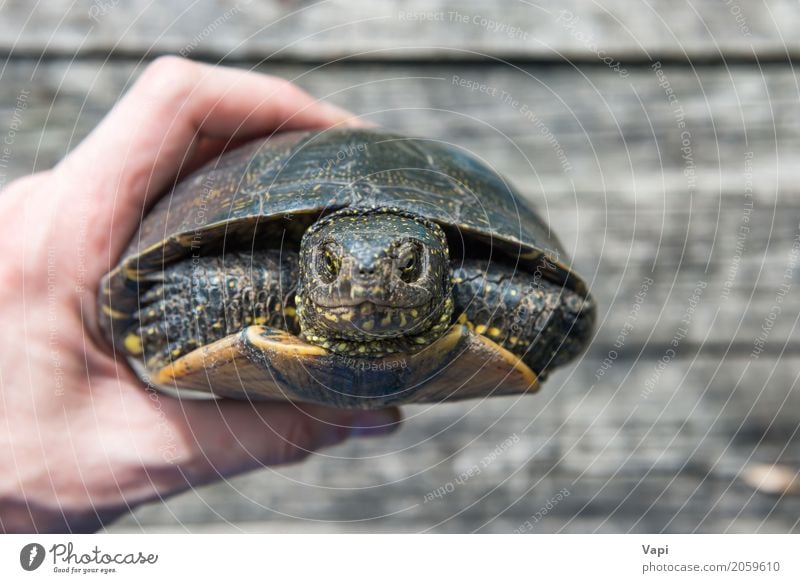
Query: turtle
(355,268)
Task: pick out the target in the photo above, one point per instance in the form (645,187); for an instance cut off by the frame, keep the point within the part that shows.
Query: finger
(229,437)
(209,148)
(139,148)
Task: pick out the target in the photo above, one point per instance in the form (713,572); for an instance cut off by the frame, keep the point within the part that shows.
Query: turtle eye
(408,263)
(330,263)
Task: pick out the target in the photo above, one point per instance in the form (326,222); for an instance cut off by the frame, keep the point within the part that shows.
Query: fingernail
(375,423)
(359,122)
(344,117)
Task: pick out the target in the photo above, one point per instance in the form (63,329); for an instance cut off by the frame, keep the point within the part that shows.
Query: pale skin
(82,440)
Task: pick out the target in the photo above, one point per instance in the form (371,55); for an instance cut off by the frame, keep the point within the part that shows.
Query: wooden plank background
(418,29)
(640,446)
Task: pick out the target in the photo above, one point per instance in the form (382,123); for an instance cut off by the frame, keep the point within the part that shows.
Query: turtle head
(373,281)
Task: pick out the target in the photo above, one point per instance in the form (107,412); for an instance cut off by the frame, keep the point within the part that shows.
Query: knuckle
(168,66)
(168,77)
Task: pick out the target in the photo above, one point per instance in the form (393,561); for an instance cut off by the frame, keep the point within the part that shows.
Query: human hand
(81,439)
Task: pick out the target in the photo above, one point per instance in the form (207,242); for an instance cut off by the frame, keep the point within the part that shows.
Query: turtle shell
(284,183)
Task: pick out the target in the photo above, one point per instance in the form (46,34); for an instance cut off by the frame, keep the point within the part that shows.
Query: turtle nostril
(366,271)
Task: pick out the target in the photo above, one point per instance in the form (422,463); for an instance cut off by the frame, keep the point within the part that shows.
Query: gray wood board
(617,136)
(618,30)
(669,460)
(624,209)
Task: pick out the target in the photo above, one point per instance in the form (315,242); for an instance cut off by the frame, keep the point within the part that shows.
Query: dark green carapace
(353,268)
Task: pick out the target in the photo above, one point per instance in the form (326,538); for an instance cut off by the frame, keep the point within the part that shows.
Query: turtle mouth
(349,303)
(366,320)
(368,307)
(368,330)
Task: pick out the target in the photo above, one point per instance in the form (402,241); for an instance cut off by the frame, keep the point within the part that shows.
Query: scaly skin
(203,299)
(373,281)
(543,323)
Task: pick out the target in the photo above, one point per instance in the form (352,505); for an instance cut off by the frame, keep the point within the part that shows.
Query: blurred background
(661,141)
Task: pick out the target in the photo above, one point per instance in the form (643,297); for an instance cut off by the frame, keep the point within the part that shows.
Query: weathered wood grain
(621,141)
(670,460)
(624,210)
(623,30)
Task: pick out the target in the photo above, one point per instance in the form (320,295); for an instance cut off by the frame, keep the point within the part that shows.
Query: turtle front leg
(543,323)
(200,300)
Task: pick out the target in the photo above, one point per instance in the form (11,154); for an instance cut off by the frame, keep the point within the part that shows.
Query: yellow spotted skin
(545,324)
(133,343)
(374,282)
(196,302)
